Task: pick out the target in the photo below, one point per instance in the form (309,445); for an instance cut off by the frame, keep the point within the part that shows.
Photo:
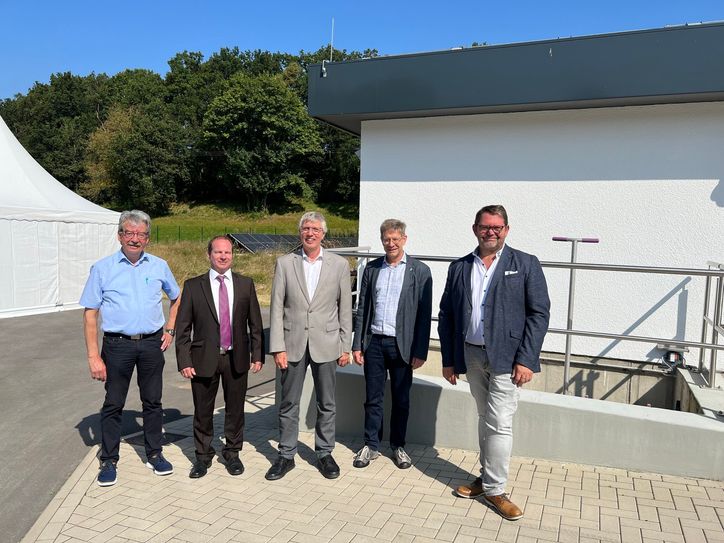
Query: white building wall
(645,180)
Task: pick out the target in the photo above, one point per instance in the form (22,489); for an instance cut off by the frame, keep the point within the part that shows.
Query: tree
(135,160)
(53,122)
(264,141)
(137,88)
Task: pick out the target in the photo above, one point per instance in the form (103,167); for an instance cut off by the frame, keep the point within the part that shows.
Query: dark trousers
(204,391)
(383,356)
(121,357)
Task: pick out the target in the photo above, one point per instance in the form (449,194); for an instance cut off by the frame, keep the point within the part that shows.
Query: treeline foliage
(232,127)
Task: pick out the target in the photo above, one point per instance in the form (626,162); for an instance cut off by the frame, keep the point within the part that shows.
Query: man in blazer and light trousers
(493,317)
(311,325)
(391,335)
(220,337)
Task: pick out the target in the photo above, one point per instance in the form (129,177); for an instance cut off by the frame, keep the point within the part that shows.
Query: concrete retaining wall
(547,426)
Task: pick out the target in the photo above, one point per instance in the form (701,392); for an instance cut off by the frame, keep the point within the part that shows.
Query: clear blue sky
(39,38)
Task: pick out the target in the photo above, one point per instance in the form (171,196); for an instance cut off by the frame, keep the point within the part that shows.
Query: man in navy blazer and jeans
(391,334)
(494,315)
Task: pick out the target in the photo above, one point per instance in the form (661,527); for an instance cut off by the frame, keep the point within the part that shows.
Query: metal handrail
(703,345)
(715,322)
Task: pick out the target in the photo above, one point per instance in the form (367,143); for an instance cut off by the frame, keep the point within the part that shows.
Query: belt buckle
(136,336)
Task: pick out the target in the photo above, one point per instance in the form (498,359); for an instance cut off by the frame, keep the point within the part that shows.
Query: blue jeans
(382,356)
(121,357)
(496,397)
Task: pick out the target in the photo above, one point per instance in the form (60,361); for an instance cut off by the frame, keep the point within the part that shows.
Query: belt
(475,345)
(134,336)
(223,351)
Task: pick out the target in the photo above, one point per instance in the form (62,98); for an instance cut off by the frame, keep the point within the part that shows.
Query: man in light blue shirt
(125,288)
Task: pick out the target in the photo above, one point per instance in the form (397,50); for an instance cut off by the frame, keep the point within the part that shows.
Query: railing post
(571,292)
(715,332)
(702,351)
(358,279)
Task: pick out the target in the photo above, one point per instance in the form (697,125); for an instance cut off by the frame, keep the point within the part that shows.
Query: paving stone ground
(564,503)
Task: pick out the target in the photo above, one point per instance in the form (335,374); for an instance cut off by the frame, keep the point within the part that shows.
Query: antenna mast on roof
(331,41)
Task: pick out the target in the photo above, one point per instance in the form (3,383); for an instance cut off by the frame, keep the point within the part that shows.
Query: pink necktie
(224,319)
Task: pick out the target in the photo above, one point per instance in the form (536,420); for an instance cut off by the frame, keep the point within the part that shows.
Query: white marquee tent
(49,236)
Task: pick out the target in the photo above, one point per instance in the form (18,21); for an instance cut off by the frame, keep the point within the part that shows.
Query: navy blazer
(414,310)
(517,311)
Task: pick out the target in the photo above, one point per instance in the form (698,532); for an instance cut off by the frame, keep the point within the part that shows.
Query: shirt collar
(213,274)
(320,257)
(497,253)
(402,261)
(122,257)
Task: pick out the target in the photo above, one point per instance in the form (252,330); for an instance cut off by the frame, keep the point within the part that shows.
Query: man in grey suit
(493,317)
(311,325)
(391,334)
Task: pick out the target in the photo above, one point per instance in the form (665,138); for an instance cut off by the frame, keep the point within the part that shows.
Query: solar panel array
(254,243)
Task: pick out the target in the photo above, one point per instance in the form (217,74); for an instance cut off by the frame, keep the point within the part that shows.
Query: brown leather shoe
(506,508)
(471,491)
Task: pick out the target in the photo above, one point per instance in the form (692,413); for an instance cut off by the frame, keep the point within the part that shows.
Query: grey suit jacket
(414,310)
(324,322)
(517,311)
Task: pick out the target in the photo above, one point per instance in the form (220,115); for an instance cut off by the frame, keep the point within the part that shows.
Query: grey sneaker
(363,457)
(401,458)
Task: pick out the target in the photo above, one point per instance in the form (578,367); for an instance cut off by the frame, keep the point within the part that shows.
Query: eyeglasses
(312,229)
(484,229)
(130,235)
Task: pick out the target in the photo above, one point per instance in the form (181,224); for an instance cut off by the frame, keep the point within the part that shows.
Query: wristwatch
(170,331)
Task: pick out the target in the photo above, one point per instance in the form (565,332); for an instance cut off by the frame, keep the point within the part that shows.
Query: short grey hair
(392,224)
(315,216)
(134,217)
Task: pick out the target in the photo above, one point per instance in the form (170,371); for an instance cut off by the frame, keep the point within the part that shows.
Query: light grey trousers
(496,397)
(324,375)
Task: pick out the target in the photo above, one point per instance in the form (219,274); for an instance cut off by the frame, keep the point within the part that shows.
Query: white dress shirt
(480,277)
(312,271)
(229,282)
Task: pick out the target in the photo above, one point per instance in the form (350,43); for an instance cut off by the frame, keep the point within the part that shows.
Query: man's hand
(97,367)
(280,359)
(448,372)
(255,366)
(189,373)
(521,375)
(417,362)
(343,360)
(166,340)
(358,357)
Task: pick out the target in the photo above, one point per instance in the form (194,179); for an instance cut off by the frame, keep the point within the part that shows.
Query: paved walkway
(563,502)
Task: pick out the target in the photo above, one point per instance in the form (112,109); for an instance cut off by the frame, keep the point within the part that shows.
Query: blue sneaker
(107,474)
(159,465)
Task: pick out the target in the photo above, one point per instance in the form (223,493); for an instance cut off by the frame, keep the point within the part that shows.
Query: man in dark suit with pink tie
(219,337)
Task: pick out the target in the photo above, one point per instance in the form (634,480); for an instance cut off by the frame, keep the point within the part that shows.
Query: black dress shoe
(280,468)
(199,468)
(328,467)
(234,466)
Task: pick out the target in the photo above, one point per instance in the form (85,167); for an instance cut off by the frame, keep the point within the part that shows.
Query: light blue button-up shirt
(128,296)
(387,297)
